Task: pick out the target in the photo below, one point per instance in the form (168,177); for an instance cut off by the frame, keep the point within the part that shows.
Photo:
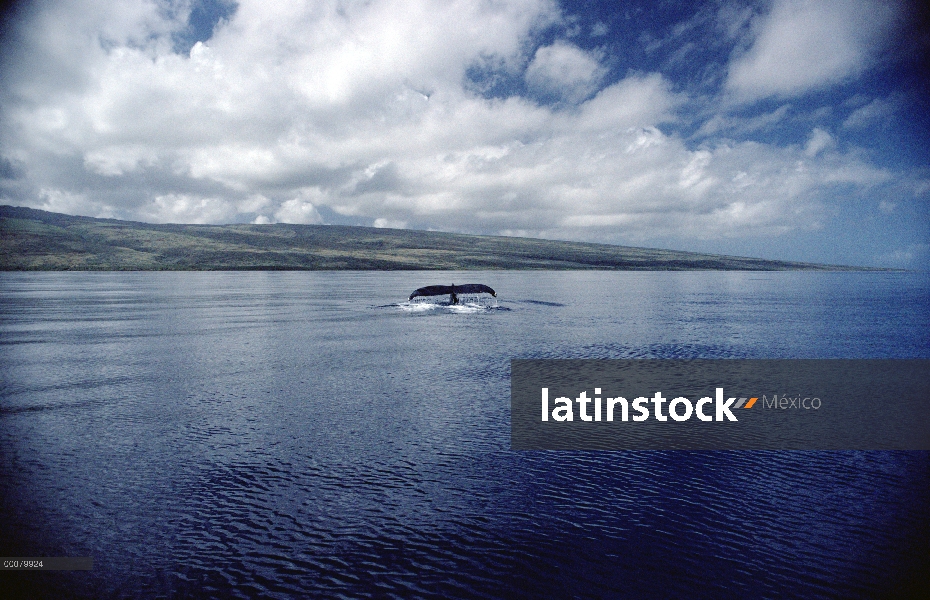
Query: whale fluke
(442,290)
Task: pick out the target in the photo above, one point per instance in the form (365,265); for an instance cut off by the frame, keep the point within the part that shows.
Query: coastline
(36,240)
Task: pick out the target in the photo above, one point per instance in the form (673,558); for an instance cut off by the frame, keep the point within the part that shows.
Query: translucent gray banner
(720,404)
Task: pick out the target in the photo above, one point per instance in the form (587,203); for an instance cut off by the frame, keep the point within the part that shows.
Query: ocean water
(295,434)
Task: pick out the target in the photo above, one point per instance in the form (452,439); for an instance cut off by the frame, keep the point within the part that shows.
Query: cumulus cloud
(387,223)
(803,45)
(183,208)
(565,71)
(289,111)
(56,200)
(300,210)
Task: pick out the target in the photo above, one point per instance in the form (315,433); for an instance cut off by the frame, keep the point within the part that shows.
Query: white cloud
(63,201)
(185,208)
(116,160)
(632,102)
(252,204)
(818,141)
(877,112)
(564,70)
(297,211)
(300,209)
(388,223)
(803,45)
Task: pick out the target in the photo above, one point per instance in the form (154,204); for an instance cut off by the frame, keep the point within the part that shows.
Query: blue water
(312,434)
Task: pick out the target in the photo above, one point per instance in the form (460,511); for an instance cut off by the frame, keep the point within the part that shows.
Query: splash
(467,303)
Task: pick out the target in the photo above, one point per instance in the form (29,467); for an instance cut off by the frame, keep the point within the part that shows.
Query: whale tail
(452,290)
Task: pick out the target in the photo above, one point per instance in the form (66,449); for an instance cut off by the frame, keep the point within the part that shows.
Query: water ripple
(250,435)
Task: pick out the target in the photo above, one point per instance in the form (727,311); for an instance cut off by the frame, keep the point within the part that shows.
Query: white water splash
(466,304)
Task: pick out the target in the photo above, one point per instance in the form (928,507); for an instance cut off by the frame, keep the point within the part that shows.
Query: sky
(783,129)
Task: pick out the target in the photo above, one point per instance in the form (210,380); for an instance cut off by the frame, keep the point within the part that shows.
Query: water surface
(303,434)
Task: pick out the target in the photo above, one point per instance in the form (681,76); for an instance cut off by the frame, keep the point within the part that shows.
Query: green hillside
(33,240)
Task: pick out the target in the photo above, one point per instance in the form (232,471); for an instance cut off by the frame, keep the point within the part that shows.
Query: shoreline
(36,240)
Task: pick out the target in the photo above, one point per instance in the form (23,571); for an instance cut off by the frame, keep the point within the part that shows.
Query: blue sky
(781,129)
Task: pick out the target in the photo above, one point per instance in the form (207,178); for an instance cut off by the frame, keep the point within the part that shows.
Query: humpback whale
(452,290)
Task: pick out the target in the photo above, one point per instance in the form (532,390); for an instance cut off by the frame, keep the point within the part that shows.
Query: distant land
(36,240)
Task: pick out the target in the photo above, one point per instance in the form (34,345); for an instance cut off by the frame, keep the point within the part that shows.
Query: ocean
(313,434)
